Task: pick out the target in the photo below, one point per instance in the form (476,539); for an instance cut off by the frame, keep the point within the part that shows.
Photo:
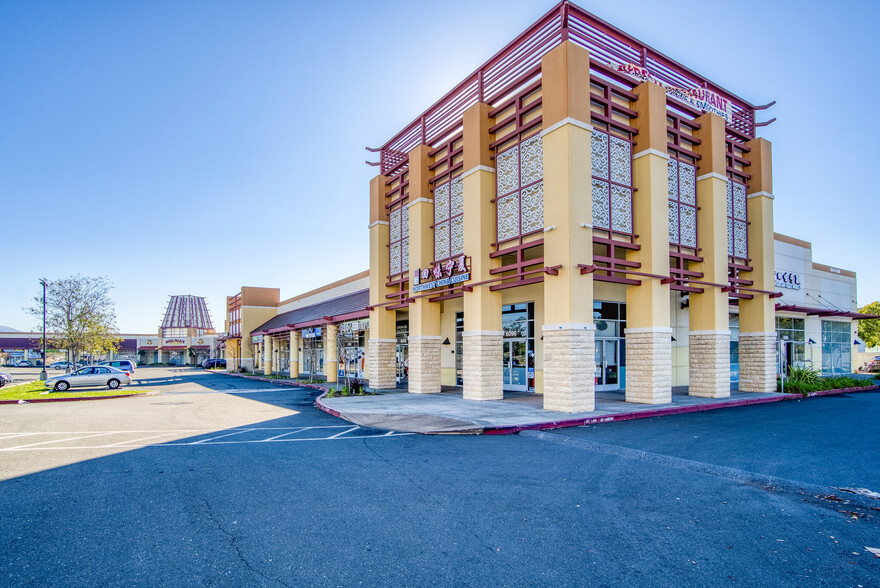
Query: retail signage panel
(705,100)
(175,342)
(311,333)
(354,326)
(257,339)
(790,280)
(453,271)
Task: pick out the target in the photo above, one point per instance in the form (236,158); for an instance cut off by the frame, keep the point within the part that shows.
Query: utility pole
(43,374)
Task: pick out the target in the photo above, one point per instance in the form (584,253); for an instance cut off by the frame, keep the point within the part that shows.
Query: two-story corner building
(245,311)
(582,213)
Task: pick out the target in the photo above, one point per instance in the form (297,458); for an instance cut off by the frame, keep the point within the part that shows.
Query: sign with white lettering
(453,271)
(257,339)
(175,342)
(700,98)
(789,280)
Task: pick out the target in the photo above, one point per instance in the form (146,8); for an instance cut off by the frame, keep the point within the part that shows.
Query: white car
(97,376)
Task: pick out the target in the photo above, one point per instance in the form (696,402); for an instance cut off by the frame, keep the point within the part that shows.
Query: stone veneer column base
(424,364)
(649,365)
(757,362)
(481,365)
(570,367)
(709,364)
(382,363)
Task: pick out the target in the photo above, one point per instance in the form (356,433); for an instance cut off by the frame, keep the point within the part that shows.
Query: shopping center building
(580,214)
(186,335)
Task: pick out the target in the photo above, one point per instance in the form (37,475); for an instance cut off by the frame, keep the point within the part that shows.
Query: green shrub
(803,375)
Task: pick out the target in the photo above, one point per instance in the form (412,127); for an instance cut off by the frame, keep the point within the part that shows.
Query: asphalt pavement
(256,487)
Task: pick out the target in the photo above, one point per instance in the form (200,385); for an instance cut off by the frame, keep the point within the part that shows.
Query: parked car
(210,364)
(65,365)
(90,376)
(24,363)
(874,366)
(4,379)
(122,364)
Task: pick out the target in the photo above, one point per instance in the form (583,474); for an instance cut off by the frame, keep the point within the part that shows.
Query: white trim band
(423,338)
(715,175)
(567,121)
(569,327)
(717,332)
(639,330)
(762,193)
(474,170)
(378,223)
(651,152)
(382,340)
(417,200)
(482,333)
(766,334)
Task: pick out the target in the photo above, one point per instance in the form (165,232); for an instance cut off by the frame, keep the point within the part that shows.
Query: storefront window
(836,348)
(313,351)
(402,351)
(733,318)
(459,348)
(610,321)
(791,330)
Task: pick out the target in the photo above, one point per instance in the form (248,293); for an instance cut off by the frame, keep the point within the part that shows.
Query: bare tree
(80,314)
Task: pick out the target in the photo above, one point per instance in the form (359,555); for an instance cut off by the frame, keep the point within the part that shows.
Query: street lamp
(43,374)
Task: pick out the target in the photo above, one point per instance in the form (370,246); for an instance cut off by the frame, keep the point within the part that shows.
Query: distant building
(185,337)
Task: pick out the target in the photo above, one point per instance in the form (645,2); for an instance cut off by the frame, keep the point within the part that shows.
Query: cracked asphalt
(290,496)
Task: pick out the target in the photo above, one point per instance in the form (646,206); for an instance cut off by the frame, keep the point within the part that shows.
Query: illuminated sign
(700,98)
(447,273)
(789,280)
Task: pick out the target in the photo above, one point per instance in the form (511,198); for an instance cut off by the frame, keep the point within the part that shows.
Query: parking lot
(219,480)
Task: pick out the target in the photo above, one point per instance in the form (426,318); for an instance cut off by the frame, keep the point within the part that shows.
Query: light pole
(43,374)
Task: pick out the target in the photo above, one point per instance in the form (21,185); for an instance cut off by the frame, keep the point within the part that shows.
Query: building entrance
(515,365)
(607,364)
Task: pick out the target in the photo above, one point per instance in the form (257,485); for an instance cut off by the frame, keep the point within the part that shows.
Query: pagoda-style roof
(187,311)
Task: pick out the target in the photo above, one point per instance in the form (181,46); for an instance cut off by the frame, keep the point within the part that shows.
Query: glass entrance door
(515,363)
(607,364)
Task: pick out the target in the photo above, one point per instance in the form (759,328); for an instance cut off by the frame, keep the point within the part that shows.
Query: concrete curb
(41,400)
(627,416)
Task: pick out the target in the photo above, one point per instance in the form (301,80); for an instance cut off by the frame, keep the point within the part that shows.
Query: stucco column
(708,311)
(381,359)
(424,316)
(568,330)
(649,328)
(295,344)
(757,316)
(331,353)
(481,339)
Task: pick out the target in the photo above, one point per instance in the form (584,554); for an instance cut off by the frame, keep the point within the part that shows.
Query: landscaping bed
(37,392)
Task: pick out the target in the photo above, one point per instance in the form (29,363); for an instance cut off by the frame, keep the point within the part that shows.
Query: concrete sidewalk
(448,412)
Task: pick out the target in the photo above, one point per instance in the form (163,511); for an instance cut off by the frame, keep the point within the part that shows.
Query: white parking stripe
(288,433)
(133,441)
(221,436)
(55,441)
(337,435)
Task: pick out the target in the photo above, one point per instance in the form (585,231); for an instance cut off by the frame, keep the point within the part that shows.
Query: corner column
(649,328)
(383,344)
(268,354)
(331,352)
(481,339)
(757,316)
(424,316)
(294,354)
(708,314)
(568,330)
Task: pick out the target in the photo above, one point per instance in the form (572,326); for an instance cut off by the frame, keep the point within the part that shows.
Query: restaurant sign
(700,98)
(453,271)
(175,342)
(789,280)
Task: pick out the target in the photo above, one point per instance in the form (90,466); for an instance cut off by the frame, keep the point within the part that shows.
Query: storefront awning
(349,307)
(820,312)
(147,348)
(199,346)
(172,348)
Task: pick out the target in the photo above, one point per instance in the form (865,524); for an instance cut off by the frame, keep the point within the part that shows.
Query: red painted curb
(40,400)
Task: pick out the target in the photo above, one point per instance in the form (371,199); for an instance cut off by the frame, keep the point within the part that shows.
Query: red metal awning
(147,348)
(811,311)
(173,348)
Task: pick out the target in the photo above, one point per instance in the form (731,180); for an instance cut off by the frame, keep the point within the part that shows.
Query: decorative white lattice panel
(394,225)
(531,160)
(533,208)
(441,240)
(687,183)
(599,154)
(457,246)
(601,206)
(457,200)
(621,209)
(673,222)
(672,179)
(508,217)
(688,226)
(507,169)
(441,203)
(621,161)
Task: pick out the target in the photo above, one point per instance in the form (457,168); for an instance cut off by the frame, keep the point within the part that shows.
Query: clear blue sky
(195,147)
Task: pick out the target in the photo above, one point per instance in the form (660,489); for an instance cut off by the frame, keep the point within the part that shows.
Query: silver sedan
(90,376)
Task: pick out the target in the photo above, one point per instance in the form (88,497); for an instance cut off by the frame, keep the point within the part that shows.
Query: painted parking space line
(137,439)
